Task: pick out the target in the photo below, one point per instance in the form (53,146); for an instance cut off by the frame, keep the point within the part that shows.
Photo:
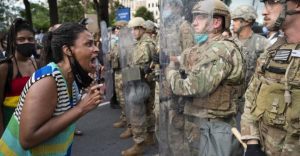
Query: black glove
(165,59)
(147,69)
(254,150)
(155,58)
(182,73)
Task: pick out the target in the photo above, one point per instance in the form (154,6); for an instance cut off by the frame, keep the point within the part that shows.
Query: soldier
(151,29)
(272,100)
(139,100)
(116,65)
(213,76)
(270,15)
(252,44)
(176,35)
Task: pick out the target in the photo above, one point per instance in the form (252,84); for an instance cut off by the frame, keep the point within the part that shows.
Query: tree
(8,13)
(112,16)
(40,16)
(28,12)
(70,11)
(53,12)
(101,7)
(144,13)
(227,2)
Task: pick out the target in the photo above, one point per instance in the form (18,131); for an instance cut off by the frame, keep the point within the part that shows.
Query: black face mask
(26,49)
(82,79)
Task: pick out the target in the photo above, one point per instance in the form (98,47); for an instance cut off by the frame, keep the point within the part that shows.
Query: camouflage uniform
(253,46)
(214,74)
(115,62)
(272,103)
(171,118)
(251,49)
(141,56)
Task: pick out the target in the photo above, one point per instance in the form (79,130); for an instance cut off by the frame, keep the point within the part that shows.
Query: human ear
(66,50)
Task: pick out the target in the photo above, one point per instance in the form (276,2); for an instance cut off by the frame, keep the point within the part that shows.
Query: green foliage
(40,16)
(8,12)
(70,11)
(112,15)
(90,9)
(227,2)
(144,13)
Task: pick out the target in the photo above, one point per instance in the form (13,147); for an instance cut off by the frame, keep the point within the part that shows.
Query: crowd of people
(199,83)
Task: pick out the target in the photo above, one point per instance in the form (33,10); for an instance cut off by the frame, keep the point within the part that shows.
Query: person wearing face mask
(43,122)
(16,69)
(270,123)
(212,78)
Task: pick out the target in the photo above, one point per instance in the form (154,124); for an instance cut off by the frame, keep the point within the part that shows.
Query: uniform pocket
(271,103)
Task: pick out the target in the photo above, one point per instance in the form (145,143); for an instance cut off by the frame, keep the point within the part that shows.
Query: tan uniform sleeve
(204,77)
(249,124)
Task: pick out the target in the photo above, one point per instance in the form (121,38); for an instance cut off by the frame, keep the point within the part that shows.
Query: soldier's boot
(126,134)
(135,150)
(150,140)
(119,124)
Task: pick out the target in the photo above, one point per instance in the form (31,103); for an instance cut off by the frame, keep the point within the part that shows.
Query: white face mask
(166,14)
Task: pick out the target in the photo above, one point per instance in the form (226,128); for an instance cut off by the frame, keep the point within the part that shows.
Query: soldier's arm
(203,79)
(143,55)
(249,124)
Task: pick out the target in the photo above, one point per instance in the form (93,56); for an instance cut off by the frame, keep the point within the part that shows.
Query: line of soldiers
(190,86)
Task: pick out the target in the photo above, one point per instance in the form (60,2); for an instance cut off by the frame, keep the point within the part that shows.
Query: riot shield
(176,35)
(178,132)
(136,91)
(188,116)
(108,74)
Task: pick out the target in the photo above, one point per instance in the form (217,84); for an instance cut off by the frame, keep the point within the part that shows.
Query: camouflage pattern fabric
(140,57)
(208,66)
(252,48)
(120,93)
(272,101)
(170,120)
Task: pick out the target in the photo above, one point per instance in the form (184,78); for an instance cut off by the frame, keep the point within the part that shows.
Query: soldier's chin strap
(283,14)
(242,26)
(292,12)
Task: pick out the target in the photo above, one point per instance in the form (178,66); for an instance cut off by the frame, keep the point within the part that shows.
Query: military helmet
(219,8)
(136,22)
(245,12)
(121,23)
(149,26)
(177,3)
(282,1)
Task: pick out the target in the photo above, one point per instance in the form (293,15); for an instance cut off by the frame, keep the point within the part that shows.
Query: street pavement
(100,138)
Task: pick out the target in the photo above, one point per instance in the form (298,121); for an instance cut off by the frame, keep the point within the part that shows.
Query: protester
(43,122)
(16,69)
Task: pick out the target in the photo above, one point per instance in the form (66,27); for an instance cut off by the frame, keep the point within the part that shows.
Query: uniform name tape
(295,53)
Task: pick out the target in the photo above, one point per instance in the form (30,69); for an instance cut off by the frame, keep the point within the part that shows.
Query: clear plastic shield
(176,35)
(108,74)
(187,125)
(192,121)
(136,91)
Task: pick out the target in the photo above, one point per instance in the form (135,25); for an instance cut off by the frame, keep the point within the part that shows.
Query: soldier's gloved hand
(164,59)
(147,69)
(155,58)
(182,73)
(254,149)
